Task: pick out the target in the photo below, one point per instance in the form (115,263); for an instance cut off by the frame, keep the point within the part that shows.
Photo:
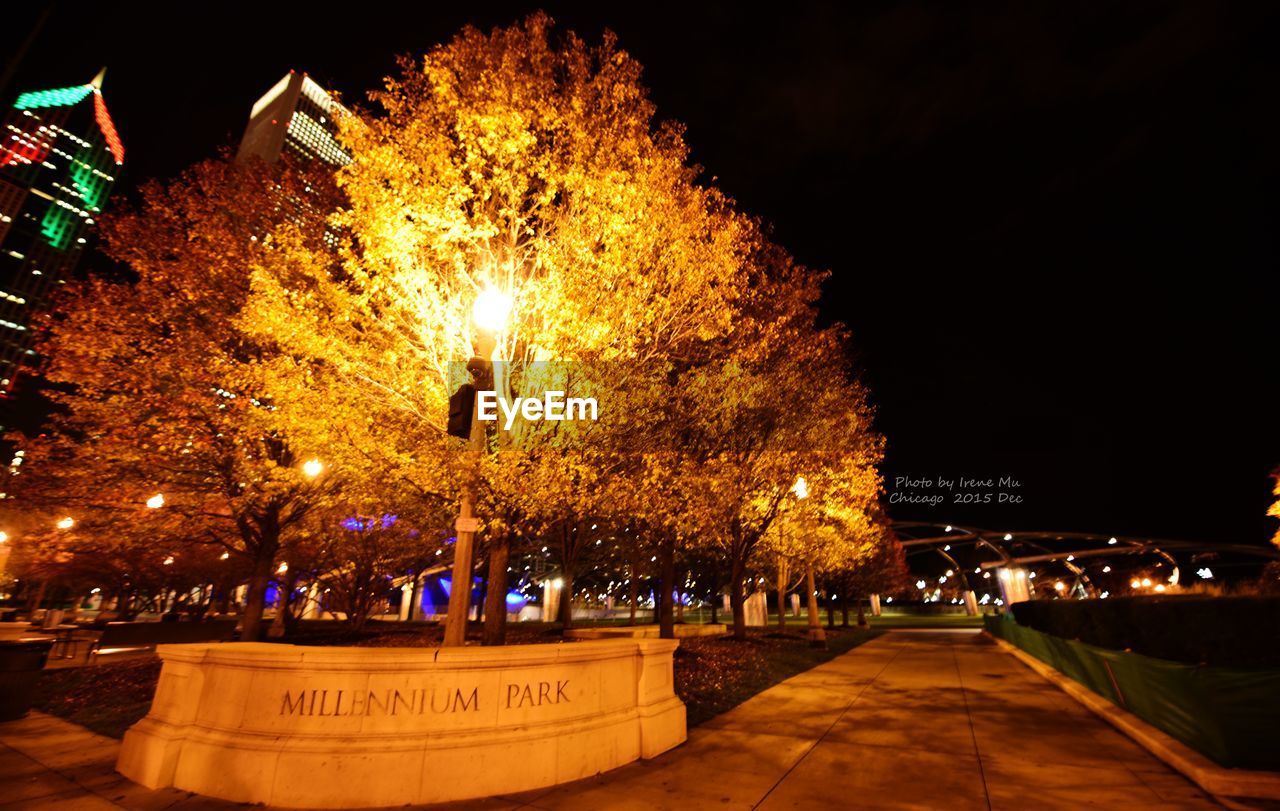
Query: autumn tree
(517,162)
(881,570)
(162,393)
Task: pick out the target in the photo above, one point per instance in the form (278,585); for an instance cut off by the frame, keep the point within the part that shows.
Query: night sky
(1051,228)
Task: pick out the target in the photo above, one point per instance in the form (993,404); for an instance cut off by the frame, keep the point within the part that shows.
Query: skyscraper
(59,157)
(296,116)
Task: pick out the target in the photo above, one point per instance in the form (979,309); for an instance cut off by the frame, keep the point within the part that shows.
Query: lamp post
(489,315)
(817,636)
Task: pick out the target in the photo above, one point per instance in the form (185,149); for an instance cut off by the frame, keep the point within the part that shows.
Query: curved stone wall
(314,727)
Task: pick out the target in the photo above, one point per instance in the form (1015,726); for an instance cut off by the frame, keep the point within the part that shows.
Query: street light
(489,314)
(66,523)
(491,310)
(817,637)
(156,501)
(312,468)
(800,488)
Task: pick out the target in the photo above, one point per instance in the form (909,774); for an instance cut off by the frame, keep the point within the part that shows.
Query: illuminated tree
(507,162)
(162,393)
(881,570)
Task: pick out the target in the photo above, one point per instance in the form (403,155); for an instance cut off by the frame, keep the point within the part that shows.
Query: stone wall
(358,727)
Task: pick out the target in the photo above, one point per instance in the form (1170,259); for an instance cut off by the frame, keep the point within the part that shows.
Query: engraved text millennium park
(418,701)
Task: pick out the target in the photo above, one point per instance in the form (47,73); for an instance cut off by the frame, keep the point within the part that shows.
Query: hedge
(1222,631)
(1230,715)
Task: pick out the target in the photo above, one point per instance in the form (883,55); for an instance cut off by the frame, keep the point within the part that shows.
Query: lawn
(712,674)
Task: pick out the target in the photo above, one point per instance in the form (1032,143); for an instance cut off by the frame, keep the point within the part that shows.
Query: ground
(712,674)
(909,720)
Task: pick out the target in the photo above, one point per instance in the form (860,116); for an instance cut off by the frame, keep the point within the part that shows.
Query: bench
(128,636)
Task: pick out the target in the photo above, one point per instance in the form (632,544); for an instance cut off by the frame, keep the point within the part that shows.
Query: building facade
(60,155)
(295,117)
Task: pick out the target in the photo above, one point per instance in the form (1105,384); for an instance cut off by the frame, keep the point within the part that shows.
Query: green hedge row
(1223,631)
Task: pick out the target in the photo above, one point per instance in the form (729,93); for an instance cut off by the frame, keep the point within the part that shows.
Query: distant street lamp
(156,501)
(489,315)
(312,468)
(817,636)
(66,523)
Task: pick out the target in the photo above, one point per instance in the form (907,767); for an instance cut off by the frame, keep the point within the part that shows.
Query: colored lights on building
(59,155)
(60,97)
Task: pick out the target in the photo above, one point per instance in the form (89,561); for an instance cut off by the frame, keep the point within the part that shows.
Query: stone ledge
(367,727)
(1221,781)
(646,631)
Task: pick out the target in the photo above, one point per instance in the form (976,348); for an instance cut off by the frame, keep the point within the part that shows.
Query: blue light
(516,601)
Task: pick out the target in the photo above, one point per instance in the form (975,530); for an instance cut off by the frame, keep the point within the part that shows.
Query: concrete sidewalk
(911,720)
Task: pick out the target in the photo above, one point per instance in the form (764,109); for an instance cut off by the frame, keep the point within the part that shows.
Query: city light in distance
(156,501)
(1205,574)
(312,468)
(224,556)
(801,488)
(66,523)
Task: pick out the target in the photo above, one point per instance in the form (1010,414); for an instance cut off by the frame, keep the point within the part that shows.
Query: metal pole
(455,623)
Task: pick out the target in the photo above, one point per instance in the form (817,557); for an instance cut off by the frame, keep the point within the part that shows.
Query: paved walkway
(911,720)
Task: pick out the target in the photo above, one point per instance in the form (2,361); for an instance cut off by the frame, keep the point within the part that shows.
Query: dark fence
(1225,631)
(1229,714)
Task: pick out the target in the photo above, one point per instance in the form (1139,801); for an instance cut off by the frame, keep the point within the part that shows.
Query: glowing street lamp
(491,310)
(66,523)
(4,537)
(156,501)
(817,637)
(489,315)
(800,488)
(312,468)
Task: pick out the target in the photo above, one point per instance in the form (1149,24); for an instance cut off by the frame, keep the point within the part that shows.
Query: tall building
(296,116)
(59,157)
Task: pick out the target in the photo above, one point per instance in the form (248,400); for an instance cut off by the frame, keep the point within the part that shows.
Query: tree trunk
(782,595)
(564,611)
(634,591)
(862,619)
(495,595)
(817,639)
(844,611)
(715,594)
(284,623)
(737,600)
(666,586)
(256,596)
(415,597)
(831,609)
